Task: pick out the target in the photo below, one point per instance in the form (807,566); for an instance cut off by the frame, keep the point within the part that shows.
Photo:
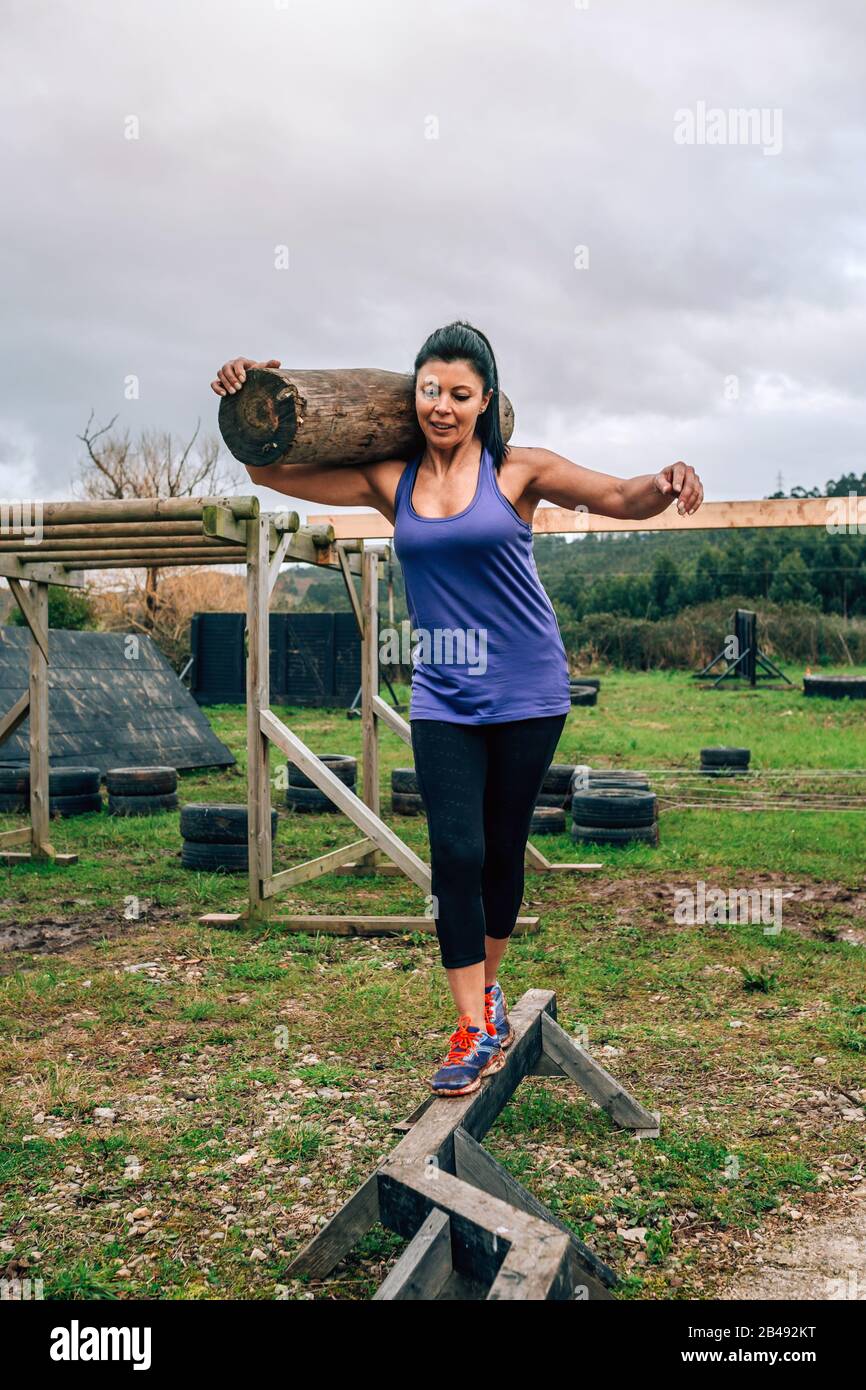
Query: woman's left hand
(681,481)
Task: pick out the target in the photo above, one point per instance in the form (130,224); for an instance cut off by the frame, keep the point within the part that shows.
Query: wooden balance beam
(473,1230)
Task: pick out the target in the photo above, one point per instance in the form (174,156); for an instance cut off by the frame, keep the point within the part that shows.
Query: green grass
(254,1076)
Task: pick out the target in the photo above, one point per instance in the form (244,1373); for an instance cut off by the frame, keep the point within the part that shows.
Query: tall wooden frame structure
(72,537)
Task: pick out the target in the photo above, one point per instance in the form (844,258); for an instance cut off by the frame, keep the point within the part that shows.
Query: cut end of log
(259,423)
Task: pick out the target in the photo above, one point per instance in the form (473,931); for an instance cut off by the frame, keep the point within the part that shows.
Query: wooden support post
(369,688)
(258,701)
(37,613)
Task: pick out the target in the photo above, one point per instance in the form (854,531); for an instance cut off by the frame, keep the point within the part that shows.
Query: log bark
(342,416)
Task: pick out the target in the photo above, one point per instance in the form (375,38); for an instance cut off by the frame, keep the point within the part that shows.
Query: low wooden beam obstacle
(474,1231)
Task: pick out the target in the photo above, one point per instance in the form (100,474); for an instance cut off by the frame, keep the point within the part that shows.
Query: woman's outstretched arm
(566,484)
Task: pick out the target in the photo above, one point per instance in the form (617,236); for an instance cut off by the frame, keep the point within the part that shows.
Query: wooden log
(130,560)
(133,531)
(101,547)
(346,415)
(120,509)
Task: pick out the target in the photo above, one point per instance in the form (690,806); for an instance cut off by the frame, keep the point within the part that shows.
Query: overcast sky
(720,318)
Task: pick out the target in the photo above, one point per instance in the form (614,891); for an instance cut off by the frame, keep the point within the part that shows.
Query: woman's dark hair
(461,342)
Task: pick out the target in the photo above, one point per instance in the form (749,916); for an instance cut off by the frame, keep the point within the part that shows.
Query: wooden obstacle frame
(157,532)
(223,530)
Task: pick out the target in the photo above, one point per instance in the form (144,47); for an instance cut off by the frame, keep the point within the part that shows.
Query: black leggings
(479,783)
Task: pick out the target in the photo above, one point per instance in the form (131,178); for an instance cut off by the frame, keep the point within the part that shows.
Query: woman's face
(449,397)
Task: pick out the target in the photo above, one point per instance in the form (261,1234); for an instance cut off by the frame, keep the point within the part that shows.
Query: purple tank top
(486,642)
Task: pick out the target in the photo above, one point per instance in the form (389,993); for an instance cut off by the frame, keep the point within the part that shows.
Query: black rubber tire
(547,820)
(725,757)
(557,779)
(73,781)
(311,800)
(341,764)
(592,681)
(140,781)
(610,808)
(78,805)
(403,779)
(835,687)
(407,804)
(724,771)
(584,695)
(614,779)
(559,799)
(217,824)
(142,805)
(215,856)
(584,834)
(12,804)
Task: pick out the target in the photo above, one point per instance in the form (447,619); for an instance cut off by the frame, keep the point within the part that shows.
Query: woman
(484,731)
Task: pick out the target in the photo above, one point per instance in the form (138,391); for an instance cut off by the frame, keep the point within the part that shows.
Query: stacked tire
(725,762)
(72,791)
(405,793)
(141,791)
(215,837)
(614,816)
(303,795)
(547,820)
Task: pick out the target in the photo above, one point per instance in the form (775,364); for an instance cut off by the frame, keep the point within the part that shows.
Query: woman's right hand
(232,375)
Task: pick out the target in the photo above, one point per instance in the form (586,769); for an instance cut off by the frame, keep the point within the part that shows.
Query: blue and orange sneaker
(497,1013)
(474,1052)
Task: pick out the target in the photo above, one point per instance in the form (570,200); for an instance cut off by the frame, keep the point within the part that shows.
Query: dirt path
(826,1260)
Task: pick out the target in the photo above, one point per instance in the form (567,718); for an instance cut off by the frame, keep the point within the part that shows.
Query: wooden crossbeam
(712,516)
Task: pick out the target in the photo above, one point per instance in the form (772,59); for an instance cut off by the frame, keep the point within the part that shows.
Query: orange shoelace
(461,1041)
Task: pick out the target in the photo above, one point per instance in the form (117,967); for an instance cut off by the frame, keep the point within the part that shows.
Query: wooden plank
(277,559)
(484,1231)
(12,568)
(219,522)
(313,868)
(31,617)
(343,797)
(395,721)
(15,837)
(763,512)
(425,1266)
(475,1165)
(15,716)
(347,925)
(337,1237)
(578,1064)
(537,1271)
(10,856)
(258,700)
(345,566)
